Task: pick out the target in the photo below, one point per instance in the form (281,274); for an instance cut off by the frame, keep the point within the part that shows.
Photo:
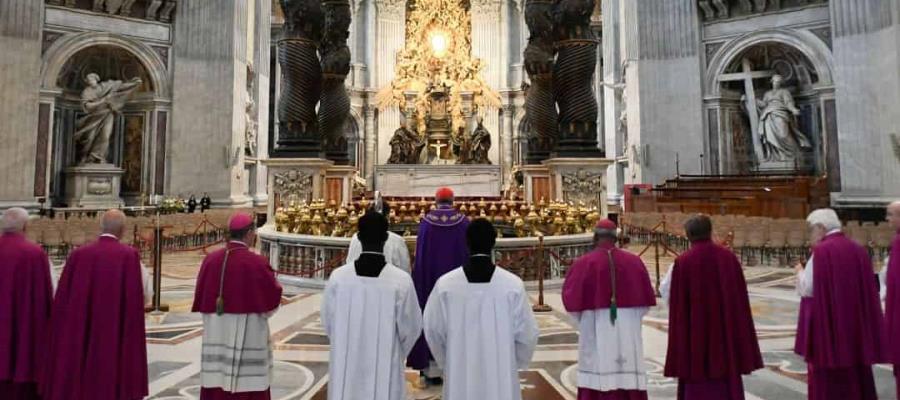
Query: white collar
(833,231)
(109,235)
(238,242)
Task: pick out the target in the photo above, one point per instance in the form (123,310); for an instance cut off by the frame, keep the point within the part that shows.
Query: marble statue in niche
(102,101)
(480,144)
(782,140)
(406,145)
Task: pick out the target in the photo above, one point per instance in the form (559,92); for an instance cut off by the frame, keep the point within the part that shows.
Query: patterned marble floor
(301,348)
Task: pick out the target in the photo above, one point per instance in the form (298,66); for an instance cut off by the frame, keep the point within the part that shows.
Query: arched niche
(139,135)
(742,70)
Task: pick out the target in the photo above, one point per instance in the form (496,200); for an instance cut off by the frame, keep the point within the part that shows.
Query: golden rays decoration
(438,52)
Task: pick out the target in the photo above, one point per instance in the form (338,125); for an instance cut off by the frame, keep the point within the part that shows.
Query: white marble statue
(781,138)
(101,101)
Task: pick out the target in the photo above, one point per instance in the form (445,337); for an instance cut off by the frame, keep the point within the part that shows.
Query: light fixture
(439,43)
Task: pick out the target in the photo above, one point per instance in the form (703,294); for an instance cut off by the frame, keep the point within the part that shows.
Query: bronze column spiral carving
(572,77)
(301,80)
(539,60)
(334,106)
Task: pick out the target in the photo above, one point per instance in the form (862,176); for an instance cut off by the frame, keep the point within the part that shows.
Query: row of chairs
(59,236)
(758,240)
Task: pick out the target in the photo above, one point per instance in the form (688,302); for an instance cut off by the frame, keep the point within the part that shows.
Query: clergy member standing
(26,295)
(839,330)
(892,303)
(608,292)
(479,324)
(440,247)
(395,251)
(712,339)
(372,317)
(97,348)
(237,293)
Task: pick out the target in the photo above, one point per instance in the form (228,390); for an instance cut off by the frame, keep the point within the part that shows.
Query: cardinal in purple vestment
(26,295)
(608,292)
(892,303)
(840,327)
(97,348)
(440,248)
(712,338)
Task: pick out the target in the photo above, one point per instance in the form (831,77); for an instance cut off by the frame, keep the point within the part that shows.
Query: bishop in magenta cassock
(479,324)
(712,338)
(892,302)
(25,300)
(237,293)
(440,248)
(608,292)
(97,348)
(839,329)
(372,318)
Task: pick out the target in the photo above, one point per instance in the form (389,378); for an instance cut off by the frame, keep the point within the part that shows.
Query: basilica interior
(543,117)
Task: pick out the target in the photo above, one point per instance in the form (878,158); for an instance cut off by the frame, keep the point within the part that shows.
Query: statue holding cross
(776,137)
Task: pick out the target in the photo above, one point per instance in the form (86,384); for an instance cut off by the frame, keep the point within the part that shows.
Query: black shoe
(434,381)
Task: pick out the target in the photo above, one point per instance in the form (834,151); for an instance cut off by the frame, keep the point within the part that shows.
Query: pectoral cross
(748,75)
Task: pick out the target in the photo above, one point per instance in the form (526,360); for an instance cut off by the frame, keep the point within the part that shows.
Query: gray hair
(113,222)
(825,217)
(14,220)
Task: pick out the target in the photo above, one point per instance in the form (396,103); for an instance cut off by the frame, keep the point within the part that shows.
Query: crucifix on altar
(747,75)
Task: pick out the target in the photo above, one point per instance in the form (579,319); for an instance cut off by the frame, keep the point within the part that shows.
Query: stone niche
(134,144)
(734,126)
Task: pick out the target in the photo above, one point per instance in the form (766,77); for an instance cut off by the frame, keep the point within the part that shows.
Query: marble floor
(301,347)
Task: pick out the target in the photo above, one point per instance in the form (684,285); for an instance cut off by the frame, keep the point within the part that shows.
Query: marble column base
(294,179)
(94,186)
(580,180)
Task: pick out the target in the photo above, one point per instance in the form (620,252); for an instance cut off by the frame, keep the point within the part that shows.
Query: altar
(422,180)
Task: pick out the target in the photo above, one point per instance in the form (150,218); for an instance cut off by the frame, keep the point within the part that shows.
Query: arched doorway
(739,85)
(138,139)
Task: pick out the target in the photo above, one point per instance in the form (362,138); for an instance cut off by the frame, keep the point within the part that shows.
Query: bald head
(113,223)
(893,214)
(14,220)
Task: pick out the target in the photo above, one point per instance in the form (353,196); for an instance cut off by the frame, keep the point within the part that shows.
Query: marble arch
(804,41)
(67,46)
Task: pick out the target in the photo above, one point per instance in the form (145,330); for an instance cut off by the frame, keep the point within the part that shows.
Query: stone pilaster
(866,40)
(24,153)
(660,42)
(390,33)
(486,29)
(371,138)
(209,81)
(262,56)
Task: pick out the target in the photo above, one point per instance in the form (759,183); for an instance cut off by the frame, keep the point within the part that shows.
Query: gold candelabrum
(512,218)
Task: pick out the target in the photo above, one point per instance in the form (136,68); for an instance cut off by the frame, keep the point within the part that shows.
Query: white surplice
(481,334)
(373,324)
(237,352)
(611,357)
(395,251)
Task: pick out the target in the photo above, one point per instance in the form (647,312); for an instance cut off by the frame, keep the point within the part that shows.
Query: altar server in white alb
(395,250)
(371,315)
(479,324)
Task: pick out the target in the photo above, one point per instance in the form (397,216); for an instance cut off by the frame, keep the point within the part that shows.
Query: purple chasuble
(841,326)
(440,248)
(711,332)
(892,306)
(588,284)
(26,295)
(97,349)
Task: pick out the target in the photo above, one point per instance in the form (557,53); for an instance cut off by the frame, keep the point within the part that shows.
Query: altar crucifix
(747,75)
